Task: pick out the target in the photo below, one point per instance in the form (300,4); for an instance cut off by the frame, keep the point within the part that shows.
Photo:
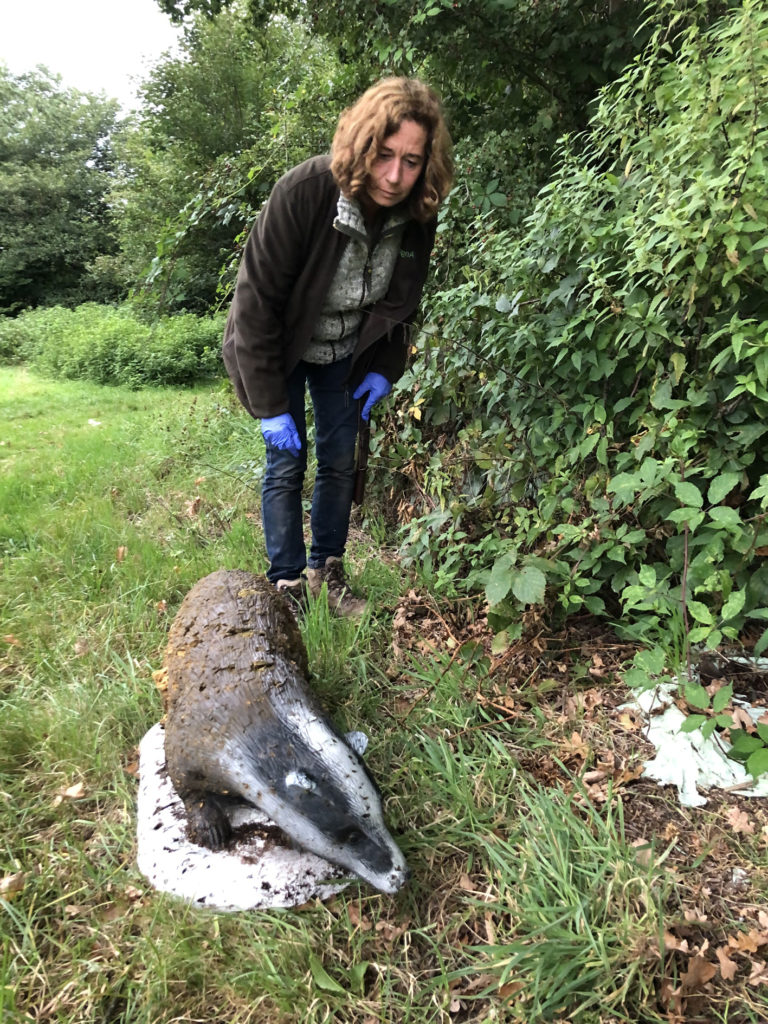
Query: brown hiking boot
(340,598)
(295,593)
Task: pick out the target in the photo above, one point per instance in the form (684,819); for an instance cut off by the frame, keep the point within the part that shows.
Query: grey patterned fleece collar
(349,220)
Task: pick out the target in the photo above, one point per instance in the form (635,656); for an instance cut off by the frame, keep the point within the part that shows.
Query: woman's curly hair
(379,113)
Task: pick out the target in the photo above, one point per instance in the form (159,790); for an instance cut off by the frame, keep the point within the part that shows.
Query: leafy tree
(55,163)
(514,77)
(220,123)
(610,454)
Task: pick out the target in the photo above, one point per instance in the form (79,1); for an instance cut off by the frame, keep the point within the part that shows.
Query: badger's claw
(207,823)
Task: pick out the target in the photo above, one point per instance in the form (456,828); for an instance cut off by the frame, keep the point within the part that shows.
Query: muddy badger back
(242,725)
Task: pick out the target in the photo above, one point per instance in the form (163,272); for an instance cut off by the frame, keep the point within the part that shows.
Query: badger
(243,726)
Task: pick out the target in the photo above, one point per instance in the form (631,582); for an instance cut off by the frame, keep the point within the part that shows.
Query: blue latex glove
(377,387)
(281,432)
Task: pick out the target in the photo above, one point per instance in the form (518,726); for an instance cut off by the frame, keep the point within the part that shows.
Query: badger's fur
(242,725)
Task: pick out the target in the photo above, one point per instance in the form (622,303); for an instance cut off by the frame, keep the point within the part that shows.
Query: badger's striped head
(322,796)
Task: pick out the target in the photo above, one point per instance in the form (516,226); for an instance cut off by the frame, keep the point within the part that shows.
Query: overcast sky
(94,45)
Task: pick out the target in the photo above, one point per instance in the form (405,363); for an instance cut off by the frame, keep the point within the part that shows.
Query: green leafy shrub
(598,396)
(108,345)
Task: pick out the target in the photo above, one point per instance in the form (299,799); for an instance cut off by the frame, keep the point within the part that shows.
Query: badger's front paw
(207,823)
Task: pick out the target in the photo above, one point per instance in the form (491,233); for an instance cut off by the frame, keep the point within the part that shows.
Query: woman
(330,279)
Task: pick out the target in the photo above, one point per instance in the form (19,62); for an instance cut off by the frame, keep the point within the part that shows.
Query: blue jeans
(336,415)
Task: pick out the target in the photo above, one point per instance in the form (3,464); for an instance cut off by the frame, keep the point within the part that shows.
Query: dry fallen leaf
(739,821)
(11,884)
(759,975)
(575,746)
(160,677)
(631,721)
(672,942)
(699,972)
(122,551)
(510,989)
(728,967)
(357,919)
(742,720)
(9,638)
(390,931)
(644,853)
(695,914)
(748,942)
(76,792)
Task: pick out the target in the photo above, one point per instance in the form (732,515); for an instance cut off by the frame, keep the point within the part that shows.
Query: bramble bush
(109,345)
(588,414)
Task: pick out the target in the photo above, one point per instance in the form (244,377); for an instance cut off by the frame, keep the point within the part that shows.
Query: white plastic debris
(253,873)
(686,759)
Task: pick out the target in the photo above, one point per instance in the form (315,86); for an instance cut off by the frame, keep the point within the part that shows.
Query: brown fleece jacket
(287,267)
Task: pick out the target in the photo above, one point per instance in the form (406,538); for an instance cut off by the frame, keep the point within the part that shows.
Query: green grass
(102,535)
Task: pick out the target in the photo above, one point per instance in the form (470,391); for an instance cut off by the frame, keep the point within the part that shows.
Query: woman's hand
(376,387)
(280,431)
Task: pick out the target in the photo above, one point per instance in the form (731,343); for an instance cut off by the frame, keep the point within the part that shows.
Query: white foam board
(256,872)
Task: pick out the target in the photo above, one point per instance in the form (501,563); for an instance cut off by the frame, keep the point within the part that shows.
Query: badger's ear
(358,741)
(301,780)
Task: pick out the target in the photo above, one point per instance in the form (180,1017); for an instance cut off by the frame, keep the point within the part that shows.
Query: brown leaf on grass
(511,988)
(11,885)
(628,775)
(192,507)
(76,792)
(585,702)
(389,931)
(728,967)
(742,720)
(672,942)
(759,975)
(739,821)
(160,678)
(748,942)
(695,915)
(161,607)
(700,971)
(631,720)
(575,746)
(671,999)
(122,551)
(358,919)
(14,641)
(643,853)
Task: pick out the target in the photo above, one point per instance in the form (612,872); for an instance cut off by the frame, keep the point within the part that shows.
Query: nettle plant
(591,405)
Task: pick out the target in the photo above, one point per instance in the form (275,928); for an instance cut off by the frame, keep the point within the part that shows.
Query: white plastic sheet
(687,760)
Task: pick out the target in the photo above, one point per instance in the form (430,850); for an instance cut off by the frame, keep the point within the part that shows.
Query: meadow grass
(523,906)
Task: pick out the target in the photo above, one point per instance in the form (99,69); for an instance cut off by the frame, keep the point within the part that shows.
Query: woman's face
(397,165)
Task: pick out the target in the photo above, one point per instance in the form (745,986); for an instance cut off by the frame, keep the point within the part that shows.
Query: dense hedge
(108,345)
(590,411)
